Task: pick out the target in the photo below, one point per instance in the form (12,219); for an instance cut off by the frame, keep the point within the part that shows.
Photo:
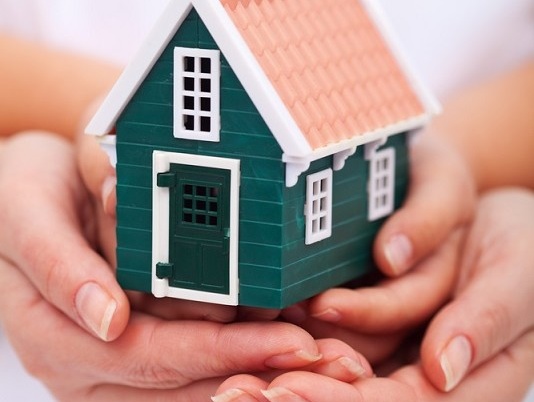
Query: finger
(97,173)
(177,309)
(441,197)
(494,305)
(151,353)
(505,377)
(46,236)
(341,362)
(403,302)
(311,387)
(241,388)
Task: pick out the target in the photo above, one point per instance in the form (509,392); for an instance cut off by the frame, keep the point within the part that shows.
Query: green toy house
(260,144)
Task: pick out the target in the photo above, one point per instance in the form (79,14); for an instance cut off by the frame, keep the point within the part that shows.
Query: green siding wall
(276,268)
(146,125)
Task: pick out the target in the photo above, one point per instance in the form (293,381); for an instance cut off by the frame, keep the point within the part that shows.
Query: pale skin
(63,295)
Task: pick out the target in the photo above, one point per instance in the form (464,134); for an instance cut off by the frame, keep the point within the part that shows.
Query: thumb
(45,236)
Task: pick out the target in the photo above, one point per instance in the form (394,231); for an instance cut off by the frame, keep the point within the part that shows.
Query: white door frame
(160,225)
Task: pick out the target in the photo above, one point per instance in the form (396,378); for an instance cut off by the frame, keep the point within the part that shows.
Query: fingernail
(399,252)
(292,359)
(234,395)
(108,186)
(455,361)
(353,367)
(96,308)
(330,315)
(280,394)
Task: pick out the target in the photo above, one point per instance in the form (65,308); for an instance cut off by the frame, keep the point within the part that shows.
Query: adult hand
(491,307)
(154,359)
(441,198)
(505,377)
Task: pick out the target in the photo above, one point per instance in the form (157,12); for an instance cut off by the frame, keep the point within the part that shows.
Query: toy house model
(260,144)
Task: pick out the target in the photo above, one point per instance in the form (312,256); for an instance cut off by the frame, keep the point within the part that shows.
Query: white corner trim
(160,226)
(108,144)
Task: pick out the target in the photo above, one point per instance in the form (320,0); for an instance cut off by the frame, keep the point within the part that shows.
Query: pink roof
(329,64)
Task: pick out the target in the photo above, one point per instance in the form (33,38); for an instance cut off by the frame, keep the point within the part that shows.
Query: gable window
(196,94)
(381,183)
(318,206)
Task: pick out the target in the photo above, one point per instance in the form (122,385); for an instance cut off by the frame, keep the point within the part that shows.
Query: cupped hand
(507,376)
(153,359)
(492,303)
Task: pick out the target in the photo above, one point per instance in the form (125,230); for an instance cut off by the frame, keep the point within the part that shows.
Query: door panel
(198,227)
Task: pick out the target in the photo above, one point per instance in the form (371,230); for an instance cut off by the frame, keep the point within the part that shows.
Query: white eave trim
(296,165)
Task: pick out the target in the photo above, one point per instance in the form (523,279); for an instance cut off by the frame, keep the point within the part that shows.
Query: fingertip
(105,315)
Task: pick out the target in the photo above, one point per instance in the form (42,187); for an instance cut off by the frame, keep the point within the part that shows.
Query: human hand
(153,359)
(39,306)
(441,186)
(441,198)
(505,377)
(491,306)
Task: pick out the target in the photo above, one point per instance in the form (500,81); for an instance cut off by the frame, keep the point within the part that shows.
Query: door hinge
(166,179)
(164,270)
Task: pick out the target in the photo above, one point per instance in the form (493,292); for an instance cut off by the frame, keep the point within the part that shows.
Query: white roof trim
(295,146)
(298,165)
(378,15)
(234,49)
(252,77)
(136,71)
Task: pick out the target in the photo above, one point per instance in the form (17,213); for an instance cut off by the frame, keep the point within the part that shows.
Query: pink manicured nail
(234,395)
(96,308)
(455,361)
(282,395)
(292,359)
(399,251)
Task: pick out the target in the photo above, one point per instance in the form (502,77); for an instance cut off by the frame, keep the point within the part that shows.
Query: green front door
(199,222)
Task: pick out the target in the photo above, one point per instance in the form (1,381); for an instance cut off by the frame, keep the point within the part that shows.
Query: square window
(200,219)
(188,203)
(201,205)
(189,84)
(189,103)
(205,124)
(205,104)
(188,189)
(205,85)
(188,218)
(189,122)
(200,191)
(189,64)
(205,65)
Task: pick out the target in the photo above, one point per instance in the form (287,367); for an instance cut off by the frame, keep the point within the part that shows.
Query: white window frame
(318,208)
(381,185)
(195,101)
